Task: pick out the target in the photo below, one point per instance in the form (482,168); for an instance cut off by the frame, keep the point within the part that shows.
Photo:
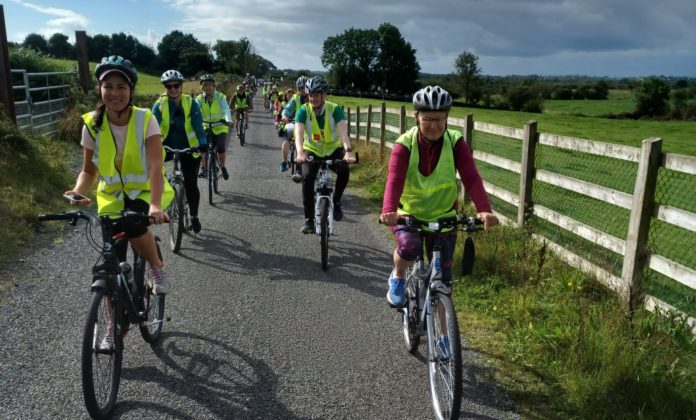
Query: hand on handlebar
(350,157)
(157,216)
(81,203)
(301,157)
(389,219)
(489,219)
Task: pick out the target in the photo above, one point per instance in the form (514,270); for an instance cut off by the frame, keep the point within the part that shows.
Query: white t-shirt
(119,132)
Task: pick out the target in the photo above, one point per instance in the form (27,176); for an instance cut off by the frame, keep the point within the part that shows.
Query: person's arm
(473,184)
(153,149)
(226,109)
(197,123)
(396,179)
(289,110)
(342,128)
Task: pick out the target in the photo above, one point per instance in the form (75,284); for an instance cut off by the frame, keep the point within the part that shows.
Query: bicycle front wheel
(444,357)
(101,357)
(324,226)
(177,217)
(242,131)
(292,160)
(212,175)
(152,304)
(409,314)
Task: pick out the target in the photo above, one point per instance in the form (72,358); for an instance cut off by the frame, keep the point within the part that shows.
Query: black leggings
(189,168)
(309,171)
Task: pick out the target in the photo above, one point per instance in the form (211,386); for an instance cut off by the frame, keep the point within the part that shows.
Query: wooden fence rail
(633,248)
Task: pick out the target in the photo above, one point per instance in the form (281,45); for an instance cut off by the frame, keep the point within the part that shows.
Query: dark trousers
(189,168)
(309,171)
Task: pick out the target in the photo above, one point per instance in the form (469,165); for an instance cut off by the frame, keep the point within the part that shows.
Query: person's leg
(221,144)
(342,177)
(408,246)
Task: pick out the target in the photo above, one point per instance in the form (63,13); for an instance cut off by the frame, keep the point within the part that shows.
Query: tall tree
(469,73)
(351,58)
(59,46)
(397,68)
(36,42)
(174,44)
(652,98)
(98,46)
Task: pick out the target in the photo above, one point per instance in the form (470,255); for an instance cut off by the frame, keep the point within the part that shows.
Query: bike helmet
(301,82)
(240,88)
(171,76)
(317,84)
(119,64)
(432,98)
(207,78)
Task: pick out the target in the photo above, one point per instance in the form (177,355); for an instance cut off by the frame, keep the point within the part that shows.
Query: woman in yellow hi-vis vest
(321,130)
(114,138)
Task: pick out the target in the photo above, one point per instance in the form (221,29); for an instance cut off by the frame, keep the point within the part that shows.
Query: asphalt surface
(257,329)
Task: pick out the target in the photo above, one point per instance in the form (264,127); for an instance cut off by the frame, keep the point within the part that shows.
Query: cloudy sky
(547,37)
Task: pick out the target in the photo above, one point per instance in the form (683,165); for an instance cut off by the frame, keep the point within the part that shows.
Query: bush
(652,98)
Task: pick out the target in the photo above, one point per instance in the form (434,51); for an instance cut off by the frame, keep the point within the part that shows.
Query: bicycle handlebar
(127,216)
(311,159)
(188,150)
(467,223)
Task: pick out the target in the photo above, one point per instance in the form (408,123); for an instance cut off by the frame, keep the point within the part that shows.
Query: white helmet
(432,98)
(171,75)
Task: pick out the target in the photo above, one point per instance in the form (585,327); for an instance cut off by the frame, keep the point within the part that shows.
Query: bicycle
(178,211)
(292,151)
(241,128)
(323,203)
(121,296)
(427,294)
(213,172)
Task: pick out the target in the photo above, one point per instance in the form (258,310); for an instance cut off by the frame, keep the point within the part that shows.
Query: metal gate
(45,99)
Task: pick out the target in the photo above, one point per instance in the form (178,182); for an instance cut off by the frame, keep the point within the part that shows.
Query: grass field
(619,102)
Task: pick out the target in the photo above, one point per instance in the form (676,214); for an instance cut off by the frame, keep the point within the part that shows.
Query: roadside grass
(34,171)
(557,342)
(678,136)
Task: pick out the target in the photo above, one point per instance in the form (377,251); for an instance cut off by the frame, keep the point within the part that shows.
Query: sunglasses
(174,86)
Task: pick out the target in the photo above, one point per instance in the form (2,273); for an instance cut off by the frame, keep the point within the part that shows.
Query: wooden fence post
(382,131)
(357,124)
(6,91)
(348,120)
(83,60)
(402,119)
(468,138)
(636,254)
(527,171)
(369,124)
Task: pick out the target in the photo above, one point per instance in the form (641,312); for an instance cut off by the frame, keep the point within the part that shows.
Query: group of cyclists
(122,145)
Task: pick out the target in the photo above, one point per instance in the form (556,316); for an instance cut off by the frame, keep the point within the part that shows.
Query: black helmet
(432,98)
(207,78)
(119,64)
(317,84)
(171,76)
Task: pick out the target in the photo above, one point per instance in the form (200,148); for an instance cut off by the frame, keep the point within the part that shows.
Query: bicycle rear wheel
(101,368)
(242,131)
(324,225)
(444,357)
(152,304)
(292,156)
(177,215)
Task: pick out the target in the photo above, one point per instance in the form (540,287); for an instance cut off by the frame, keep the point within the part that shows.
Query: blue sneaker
(443,345)
(396,296)
(283,166)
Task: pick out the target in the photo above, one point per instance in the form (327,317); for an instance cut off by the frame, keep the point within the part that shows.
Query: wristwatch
(350,149)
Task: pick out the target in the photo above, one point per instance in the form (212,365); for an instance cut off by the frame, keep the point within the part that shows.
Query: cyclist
(321,131)
(422,182)
(288,117)
(181,123)
(122,146)
(241,103)
(215,109)
(272,97)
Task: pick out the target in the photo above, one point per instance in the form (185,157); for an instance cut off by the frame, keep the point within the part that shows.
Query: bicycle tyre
(101,371)
(409,315)
(177,217)
(292,157)
(445,373)
(242,131)
(216,178)
(152,304)
(211,175)
(324,225)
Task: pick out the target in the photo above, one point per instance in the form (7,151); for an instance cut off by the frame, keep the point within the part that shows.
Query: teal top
(338,115)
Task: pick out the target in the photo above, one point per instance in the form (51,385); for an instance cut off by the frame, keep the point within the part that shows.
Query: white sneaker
(159,279)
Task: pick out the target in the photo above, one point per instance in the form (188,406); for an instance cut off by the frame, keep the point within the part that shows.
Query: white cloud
(65,22)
